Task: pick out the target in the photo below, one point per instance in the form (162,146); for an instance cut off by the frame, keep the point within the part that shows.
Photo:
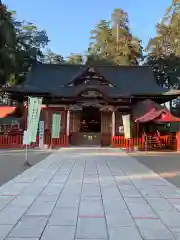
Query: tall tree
(113,41)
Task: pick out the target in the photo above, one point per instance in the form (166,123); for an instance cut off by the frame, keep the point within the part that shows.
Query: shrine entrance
(90,120)
(90,127)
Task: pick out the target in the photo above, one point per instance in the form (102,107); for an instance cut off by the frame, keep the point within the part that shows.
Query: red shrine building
(92,100)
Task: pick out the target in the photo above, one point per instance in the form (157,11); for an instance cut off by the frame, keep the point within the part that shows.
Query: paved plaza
(89,194)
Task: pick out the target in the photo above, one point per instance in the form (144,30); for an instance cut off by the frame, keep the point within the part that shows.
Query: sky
(68,22)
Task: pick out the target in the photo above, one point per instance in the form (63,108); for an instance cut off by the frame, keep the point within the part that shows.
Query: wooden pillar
(113,123)
(178,141)
(68,123)
(25,114)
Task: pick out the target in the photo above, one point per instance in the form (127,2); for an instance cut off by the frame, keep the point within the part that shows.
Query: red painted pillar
(67,126)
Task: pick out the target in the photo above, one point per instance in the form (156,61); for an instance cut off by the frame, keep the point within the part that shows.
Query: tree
(30,42)
(113,42)
(52,58)
(97,59)
(172,19)
(164,49)
(75,59)
(166,69)
(21,44)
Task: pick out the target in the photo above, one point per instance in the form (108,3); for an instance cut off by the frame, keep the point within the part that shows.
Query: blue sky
(68,22)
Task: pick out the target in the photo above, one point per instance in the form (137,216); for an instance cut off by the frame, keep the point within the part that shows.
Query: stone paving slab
(89,194)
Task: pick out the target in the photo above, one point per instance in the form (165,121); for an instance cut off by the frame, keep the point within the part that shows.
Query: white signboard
(127,126)
(34,109)
(41,134)
(121,129)
(167,104)
(26,138)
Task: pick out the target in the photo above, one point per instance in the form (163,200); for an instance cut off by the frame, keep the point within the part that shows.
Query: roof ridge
(58,65)
(90,65)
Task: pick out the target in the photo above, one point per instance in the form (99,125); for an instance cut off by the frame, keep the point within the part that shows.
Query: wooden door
(87,139)
(74,126)
(106,128)
(118,122)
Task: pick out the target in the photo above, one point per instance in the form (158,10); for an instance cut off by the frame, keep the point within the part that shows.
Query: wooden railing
(149,143)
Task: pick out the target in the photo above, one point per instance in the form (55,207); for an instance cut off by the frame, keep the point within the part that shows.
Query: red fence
(7,141)
(11,141)
(150,143)
(121,142)
(56,142)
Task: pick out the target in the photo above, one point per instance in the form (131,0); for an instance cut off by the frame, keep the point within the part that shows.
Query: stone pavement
(89,193)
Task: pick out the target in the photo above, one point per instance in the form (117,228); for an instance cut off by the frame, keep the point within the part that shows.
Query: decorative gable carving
(91,70)
(91,94)
(90,77)
(108,108)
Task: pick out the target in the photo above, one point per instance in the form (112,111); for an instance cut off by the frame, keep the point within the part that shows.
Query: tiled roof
(127,80)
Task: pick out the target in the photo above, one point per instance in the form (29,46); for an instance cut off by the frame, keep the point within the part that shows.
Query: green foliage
(98,59)
(166,69)
(75,59)
(52,58)
(7,43)
(30,43)
(111,43)
(21,44)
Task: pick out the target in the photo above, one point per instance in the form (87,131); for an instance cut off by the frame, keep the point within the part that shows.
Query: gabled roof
(166,117)
(131,79)
(127,80)
(90,70)
(6,110)
(51,76)
(148,110)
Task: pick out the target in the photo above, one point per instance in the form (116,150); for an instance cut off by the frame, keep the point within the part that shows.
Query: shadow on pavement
(13,163)
(167,165)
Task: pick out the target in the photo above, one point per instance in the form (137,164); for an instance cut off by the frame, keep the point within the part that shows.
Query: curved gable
(90,76)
